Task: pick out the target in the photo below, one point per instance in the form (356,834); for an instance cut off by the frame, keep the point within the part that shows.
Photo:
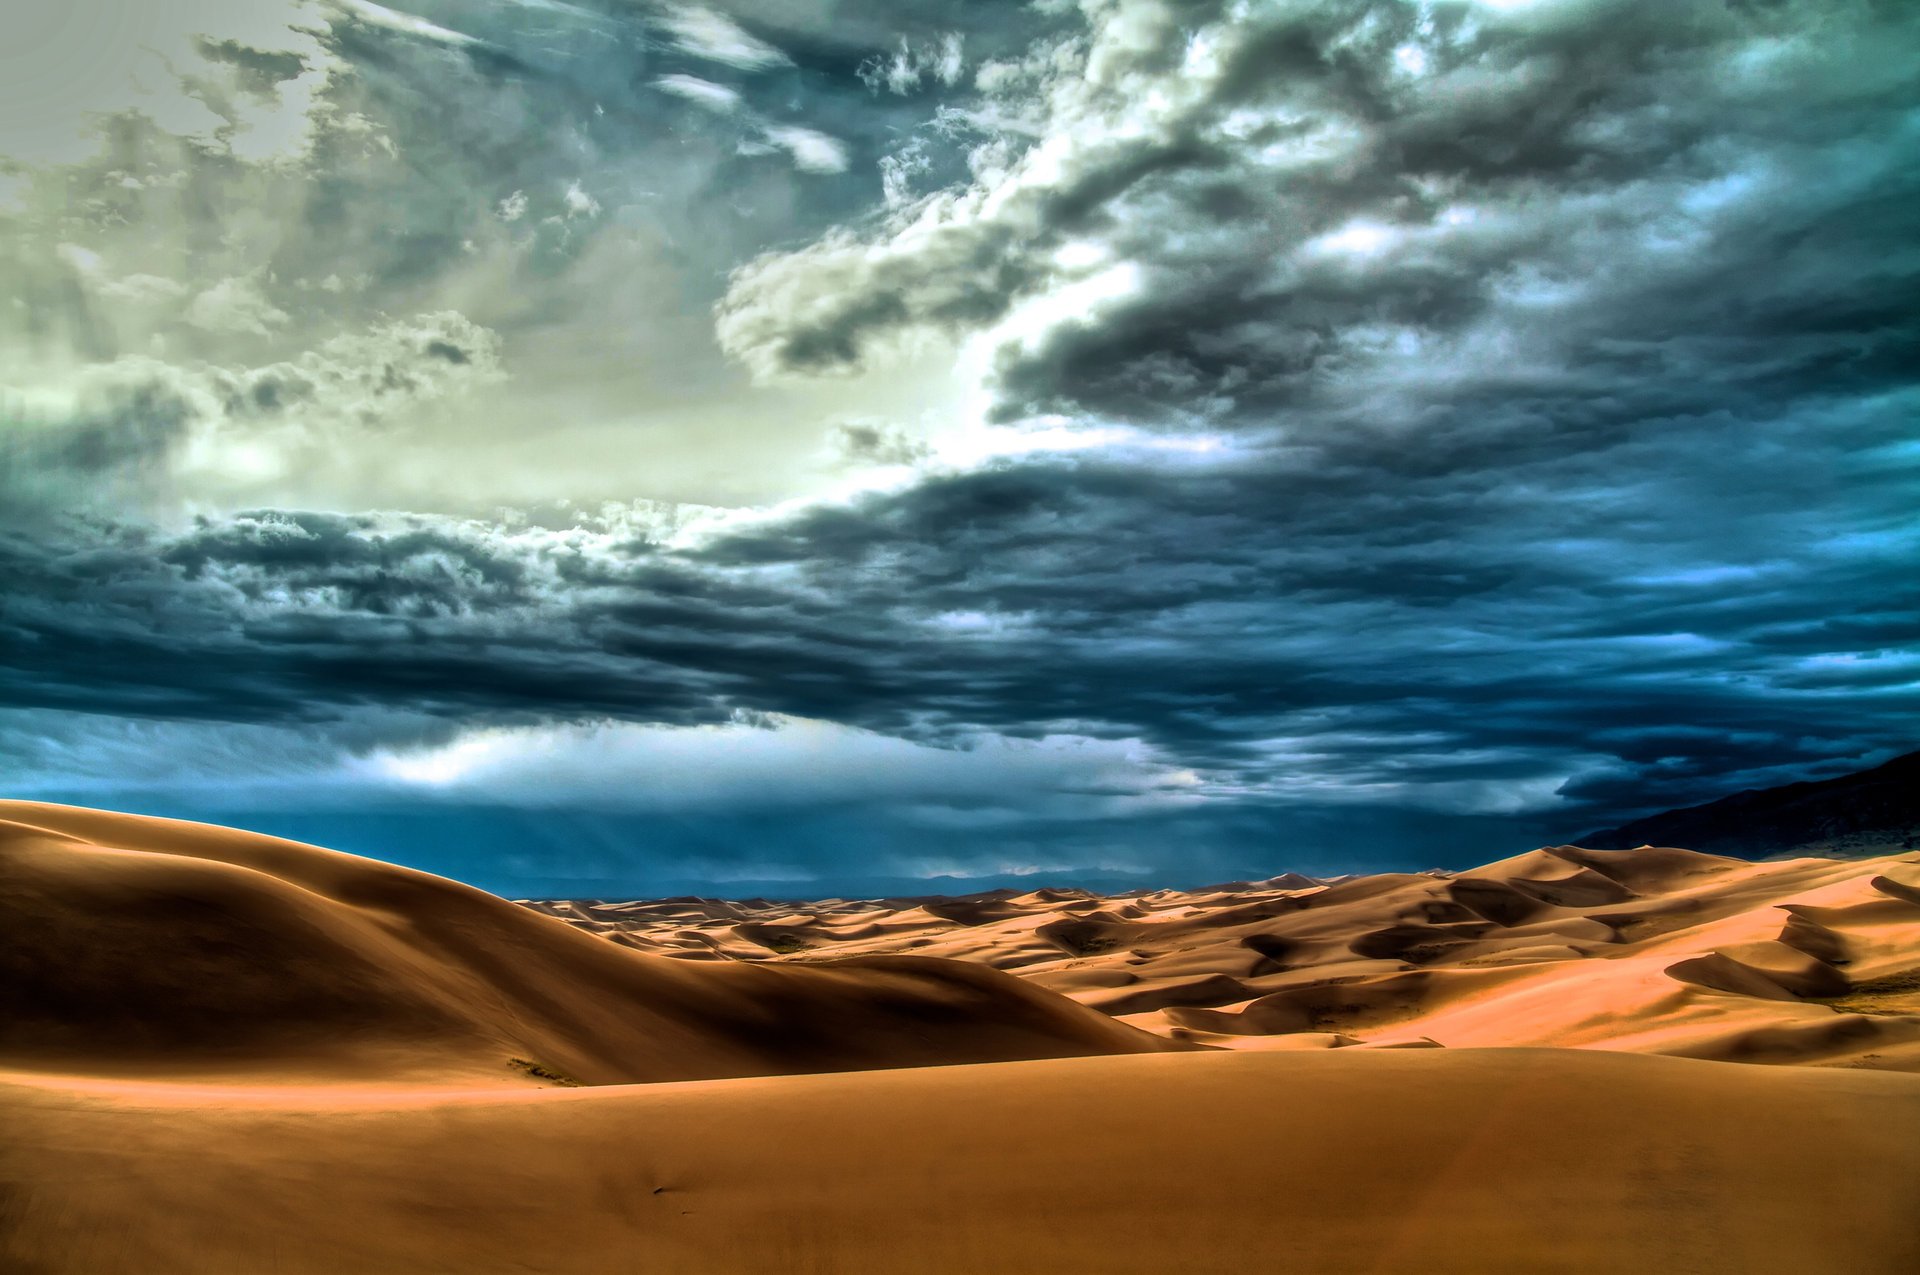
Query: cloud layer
(1189,435)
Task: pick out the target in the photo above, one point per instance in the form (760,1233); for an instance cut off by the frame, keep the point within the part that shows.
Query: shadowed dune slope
(143,946)
(1441,1162)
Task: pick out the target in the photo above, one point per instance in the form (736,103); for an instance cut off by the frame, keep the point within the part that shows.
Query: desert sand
(221,1052)
(1653,950)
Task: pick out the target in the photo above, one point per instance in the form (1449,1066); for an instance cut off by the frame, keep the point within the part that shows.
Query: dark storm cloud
(1689,606)
(1342,212)
(1506,414)
(292,616)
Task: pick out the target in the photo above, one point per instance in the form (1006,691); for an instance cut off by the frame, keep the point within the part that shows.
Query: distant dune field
(1652,950)
(221,1052)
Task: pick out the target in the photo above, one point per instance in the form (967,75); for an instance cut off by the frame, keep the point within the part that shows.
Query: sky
(593,447)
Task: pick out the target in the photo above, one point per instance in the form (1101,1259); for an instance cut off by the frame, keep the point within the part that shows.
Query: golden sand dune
(144,946)
(1439,1161)
(1651,950)
(223,1053)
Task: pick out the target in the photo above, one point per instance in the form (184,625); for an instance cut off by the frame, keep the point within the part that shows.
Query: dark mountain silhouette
(1871,812)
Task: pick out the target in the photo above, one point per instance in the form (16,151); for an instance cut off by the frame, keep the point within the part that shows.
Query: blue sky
(599,447)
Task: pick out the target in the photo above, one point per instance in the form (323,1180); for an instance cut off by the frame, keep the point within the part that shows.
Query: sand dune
(224,1053)
(1655,950)
(1430,1161)
(148,947)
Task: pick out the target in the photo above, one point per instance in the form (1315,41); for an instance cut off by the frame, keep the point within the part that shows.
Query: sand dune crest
(146,946)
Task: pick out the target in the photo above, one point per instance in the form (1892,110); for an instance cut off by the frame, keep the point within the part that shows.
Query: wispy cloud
(812,150)
(911,65)
(406,23)
(715,97)
(718,38)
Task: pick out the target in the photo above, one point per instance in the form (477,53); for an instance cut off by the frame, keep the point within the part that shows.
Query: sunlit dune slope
(1432,1162)
(1652,950)
(145,946)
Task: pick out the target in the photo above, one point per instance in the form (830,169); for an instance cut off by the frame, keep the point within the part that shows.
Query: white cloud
(72,754)
(235,305)
(579,203)
(911,65)
(899,170)
(715,97)
(1358,238)
(770,760)
(950,64)
(405,23)
(717,38)
(143,289)
(812,151)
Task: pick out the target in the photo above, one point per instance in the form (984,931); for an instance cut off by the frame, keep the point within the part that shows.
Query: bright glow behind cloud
(773,760)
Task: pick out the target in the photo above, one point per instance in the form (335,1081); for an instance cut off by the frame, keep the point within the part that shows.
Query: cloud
(1324,235)
(876,443)
(107,760)
(911,65)
(404,23)
(1443,423)
(133,431)
(235,305)
(241,77)
(756,761)
(1342,627)
(715,97)
(717,38)
(900,170)
(578,202)
(812,151)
